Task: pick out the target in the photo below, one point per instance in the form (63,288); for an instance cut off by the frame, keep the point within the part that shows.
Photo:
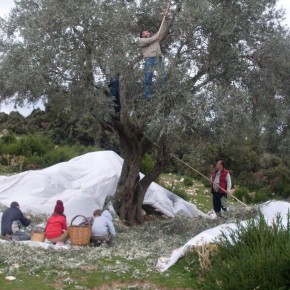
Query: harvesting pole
(165,14)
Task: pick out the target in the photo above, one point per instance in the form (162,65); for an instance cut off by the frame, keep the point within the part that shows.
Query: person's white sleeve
(229,182)
(111,228)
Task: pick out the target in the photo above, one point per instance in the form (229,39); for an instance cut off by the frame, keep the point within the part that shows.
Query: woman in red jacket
(56,228)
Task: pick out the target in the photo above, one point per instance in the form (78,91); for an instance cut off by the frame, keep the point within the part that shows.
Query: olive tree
(216,52)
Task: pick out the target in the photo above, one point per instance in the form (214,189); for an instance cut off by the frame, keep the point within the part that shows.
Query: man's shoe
(219,214)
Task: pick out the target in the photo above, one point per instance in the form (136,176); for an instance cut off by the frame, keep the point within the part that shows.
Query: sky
(6,5)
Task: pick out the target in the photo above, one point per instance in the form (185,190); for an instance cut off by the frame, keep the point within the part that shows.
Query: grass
(91,277)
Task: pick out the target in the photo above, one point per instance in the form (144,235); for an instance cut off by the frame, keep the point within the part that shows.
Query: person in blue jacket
(12,221)
(103,229)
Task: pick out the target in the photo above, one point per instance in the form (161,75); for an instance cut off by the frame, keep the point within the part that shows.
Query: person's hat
(59,207)
(14,204)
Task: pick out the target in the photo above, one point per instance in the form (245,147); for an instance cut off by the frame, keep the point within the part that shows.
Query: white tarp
(83,184)
(270,211)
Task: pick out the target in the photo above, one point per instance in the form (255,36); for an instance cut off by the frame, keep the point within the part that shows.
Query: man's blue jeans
(151,64)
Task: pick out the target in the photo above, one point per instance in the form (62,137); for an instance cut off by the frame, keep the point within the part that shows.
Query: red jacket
(55,226)
(223,181)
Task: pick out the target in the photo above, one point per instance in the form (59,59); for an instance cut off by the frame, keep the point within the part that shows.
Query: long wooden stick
(165,12)
(207,178)
(186,164)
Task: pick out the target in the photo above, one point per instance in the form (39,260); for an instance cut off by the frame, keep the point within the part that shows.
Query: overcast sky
(6,5)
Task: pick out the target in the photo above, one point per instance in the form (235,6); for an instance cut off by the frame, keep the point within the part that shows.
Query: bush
(286,191)
(253,256)
(9,138)
(34,145)
(261,195)
(58,155)
(269,161)
(242,193)
(11,149)
(147,164)
(187,181)
(65,153)
(34,162)
(251,181)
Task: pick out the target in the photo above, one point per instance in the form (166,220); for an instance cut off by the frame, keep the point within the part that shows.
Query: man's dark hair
(222,163)
(97,212)
(14,204)
(143,31)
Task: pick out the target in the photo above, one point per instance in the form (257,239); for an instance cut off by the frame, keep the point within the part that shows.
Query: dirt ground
(132,286)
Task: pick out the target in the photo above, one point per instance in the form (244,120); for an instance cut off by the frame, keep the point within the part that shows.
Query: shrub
(147,164)
(34,145)
(286,191)
(253,256)
(187,181)
(65,153)
(11,149)
(33,162)
(269,160)
(59,154)
(251,181)
(9,138)
(242,193)
(261,195)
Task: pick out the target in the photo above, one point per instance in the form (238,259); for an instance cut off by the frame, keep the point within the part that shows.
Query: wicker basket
(38,237)
(80,235)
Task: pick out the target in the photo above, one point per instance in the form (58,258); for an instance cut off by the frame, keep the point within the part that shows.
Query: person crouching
(12,221)
(56,230)
(103,230)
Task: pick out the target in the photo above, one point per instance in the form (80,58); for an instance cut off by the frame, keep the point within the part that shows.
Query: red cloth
(55,226)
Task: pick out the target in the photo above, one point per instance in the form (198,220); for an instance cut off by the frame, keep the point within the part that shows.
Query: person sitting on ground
(56,230)
(103,229)
(12,221)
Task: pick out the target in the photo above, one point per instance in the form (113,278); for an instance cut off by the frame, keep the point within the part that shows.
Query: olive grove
(227,74)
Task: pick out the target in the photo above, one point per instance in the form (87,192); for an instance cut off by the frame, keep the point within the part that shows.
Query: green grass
(93,277)
(200,199)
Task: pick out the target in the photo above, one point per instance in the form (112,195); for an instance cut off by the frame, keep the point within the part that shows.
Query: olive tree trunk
(131,189)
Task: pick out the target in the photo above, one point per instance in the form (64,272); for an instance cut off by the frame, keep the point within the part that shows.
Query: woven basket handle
(71,223)
(38,230)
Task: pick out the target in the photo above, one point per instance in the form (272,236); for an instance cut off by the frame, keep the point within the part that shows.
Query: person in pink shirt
(56,230)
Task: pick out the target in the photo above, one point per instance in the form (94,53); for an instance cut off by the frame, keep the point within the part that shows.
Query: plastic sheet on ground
(270,211)
(44,245)
(83,184)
